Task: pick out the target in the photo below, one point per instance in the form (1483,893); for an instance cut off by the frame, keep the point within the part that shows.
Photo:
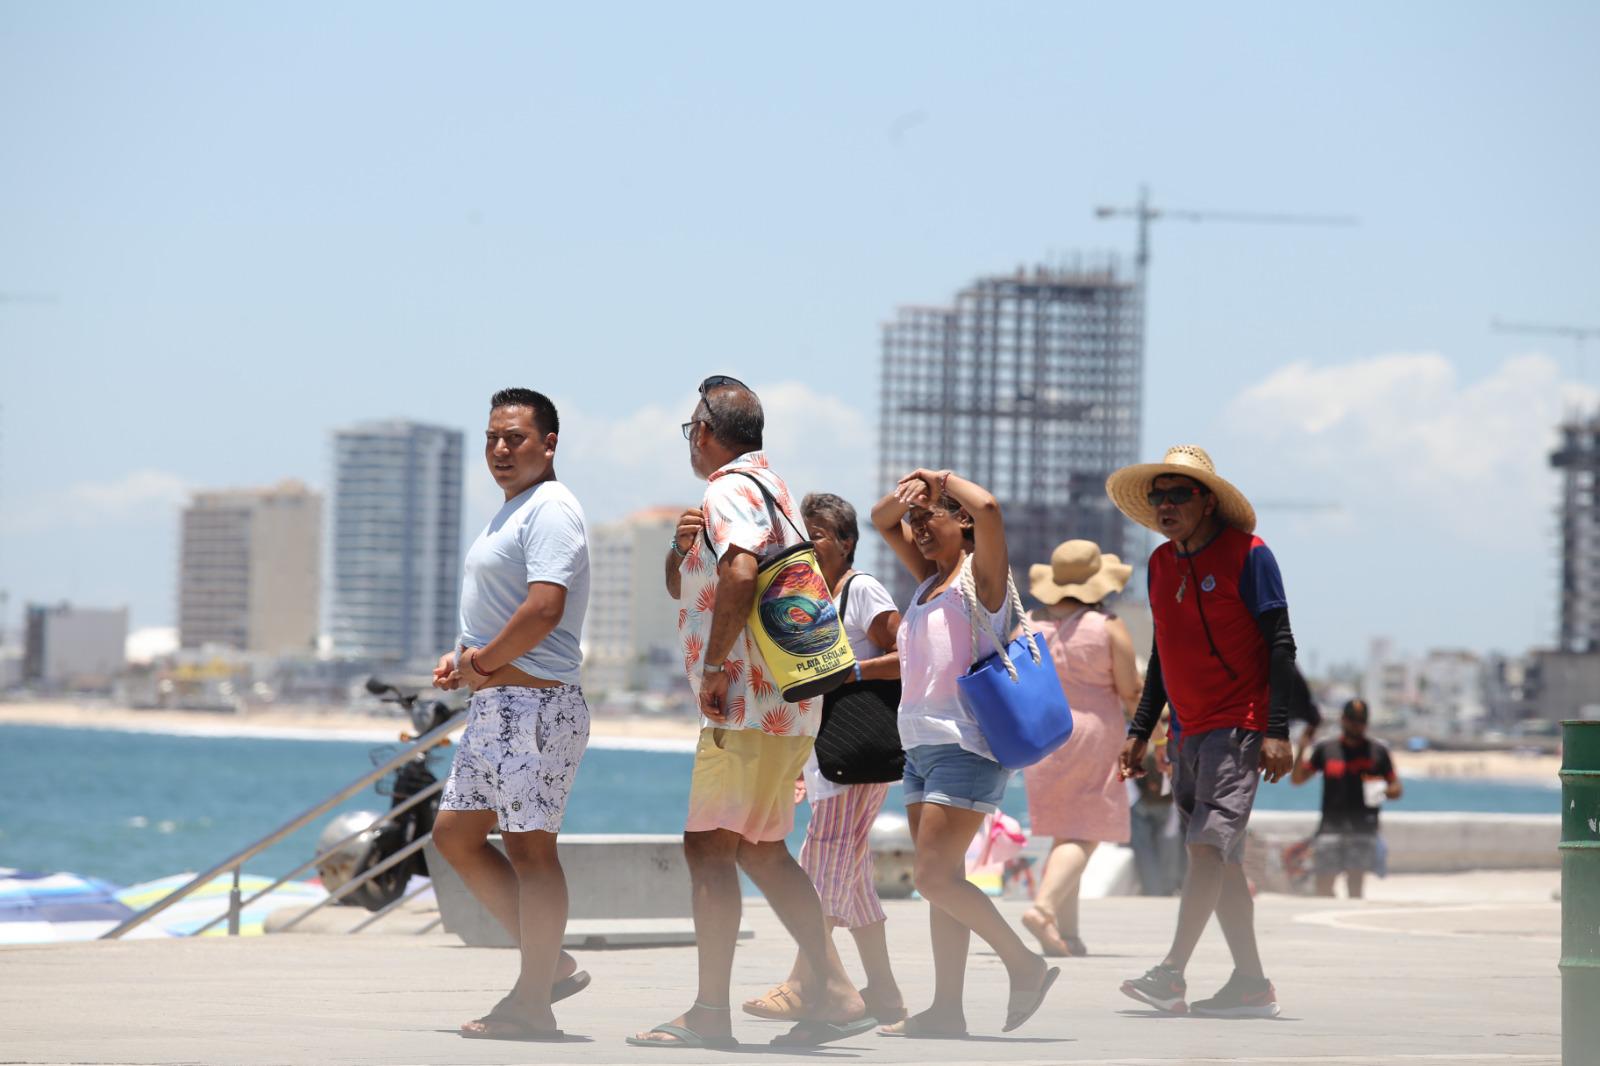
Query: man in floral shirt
(752,745)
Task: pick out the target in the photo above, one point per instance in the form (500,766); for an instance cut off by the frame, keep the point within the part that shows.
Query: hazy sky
(226,229)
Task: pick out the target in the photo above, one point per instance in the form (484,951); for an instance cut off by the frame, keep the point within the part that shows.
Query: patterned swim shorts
(519,756)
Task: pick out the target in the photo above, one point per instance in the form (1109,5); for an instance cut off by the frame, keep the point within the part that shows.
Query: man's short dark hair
(545,419)
(1356,710)
(735,417)
(836,513)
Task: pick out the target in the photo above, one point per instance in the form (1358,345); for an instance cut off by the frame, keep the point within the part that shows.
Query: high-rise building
(1031,385)
(250,569)
(1578,459)
(73,647)
(395,557)
(631,630)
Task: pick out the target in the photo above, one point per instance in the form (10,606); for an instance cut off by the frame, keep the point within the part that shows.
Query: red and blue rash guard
(1223,680)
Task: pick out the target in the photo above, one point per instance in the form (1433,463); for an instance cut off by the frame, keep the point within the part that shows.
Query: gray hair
(736,418)
(836,513)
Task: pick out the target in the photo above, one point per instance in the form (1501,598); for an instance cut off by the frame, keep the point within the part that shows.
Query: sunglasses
(717,380)
(1176,496)
(688,427)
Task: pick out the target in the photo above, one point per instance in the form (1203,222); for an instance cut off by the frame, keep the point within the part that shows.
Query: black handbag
(859,740)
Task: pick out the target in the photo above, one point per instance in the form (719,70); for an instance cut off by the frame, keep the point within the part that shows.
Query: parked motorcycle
(378,842)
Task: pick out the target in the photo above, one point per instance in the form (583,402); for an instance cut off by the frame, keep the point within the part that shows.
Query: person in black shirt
(1347,837)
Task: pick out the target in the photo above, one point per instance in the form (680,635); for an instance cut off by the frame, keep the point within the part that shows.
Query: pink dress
(1075,793)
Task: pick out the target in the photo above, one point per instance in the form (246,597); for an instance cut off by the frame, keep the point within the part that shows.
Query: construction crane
(1577,334)
(1147,214)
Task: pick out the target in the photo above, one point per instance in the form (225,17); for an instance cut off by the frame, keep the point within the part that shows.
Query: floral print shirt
(737,515)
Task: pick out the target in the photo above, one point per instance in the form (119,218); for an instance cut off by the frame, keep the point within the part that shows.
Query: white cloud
(139,496)
(1401,436)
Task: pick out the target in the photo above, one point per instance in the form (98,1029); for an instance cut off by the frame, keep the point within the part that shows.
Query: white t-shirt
(867,600)
(537,536)
(936,648)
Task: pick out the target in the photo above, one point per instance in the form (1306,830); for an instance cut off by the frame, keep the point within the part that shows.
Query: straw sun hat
(1127,487)
(1077,569)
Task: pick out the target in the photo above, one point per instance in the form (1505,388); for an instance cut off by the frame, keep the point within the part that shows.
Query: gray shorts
(519,756)
(1214,781)
(1333,853)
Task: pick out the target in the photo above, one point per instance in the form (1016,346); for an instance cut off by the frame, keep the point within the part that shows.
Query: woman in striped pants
(837,854)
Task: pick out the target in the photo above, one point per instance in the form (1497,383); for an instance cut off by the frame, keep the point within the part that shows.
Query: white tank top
(935,649)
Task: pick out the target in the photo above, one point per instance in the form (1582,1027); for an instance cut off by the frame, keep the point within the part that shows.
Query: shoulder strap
(772,502)
(844,596)
(977,612)
(772,507)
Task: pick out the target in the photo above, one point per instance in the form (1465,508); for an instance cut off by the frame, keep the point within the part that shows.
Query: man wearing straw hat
(1223,659)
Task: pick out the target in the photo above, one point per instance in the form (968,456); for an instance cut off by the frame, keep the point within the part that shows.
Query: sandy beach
(1479,765)
(609,730)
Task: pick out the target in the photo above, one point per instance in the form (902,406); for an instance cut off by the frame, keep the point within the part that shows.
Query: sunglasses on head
(717,380)
(1178,495)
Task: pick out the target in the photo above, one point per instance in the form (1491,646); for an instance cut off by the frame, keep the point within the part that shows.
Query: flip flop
(889,1016)
(519,1029)
(812,1033)
(565,988)
(1017,1019)
(911,1029)
(683,1036)
(569,986)
(779,1005)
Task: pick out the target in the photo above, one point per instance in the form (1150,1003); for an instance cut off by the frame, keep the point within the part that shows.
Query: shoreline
(626,731)
(635,732)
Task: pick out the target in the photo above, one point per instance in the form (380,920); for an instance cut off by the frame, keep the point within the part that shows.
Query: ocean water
(129,807)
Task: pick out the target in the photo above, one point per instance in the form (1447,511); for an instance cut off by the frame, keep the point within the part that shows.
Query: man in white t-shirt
(523,597)
(752,743)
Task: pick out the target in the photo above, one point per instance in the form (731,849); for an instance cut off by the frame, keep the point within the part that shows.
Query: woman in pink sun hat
(1076,795)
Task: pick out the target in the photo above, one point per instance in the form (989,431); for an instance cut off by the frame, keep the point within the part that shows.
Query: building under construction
(1578,459)
(1031,385)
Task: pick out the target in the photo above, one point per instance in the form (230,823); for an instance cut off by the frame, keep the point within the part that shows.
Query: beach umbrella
(40,908)
(211,899)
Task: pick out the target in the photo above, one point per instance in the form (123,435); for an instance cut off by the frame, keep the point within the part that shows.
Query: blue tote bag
(1015,693)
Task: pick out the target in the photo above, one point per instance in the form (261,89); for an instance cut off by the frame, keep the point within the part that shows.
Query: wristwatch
(679,552)
(712,668)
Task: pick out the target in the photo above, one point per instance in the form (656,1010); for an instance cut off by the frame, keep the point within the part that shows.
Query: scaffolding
(1578,459)
(1031,385)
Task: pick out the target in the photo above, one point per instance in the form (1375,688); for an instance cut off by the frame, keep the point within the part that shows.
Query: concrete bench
(623,891)
(1419,842)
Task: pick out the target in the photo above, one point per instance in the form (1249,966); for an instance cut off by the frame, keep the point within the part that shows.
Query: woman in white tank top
(937,523)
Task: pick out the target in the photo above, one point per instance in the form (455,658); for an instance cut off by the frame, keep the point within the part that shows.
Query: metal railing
(234,863)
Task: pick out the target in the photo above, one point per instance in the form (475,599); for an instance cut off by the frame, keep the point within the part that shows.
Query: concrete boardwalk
(1447,970)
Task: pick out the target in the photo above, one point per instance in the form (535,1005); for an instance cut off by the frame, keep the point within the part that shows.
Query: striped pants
(837,856)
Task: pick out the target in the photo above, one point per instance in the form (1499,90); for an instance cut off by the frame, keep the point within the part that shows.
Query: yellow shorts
(744,781)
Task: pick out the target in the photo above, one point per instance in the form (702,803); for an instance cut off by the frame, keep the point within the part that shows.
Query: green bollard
(1580,891)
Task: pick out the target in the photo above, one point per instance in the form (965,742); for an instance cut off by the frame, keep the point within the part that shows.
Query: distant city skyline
(250,569)
(231,230)
(394,541)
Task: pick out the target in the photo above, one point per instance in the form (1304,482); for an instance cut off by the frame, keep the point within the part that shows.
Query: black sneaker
(1241,997)
(1162,987)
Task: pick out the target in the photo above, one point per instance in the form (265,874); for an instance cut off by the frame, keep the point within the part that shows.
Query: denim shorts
(952,776)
